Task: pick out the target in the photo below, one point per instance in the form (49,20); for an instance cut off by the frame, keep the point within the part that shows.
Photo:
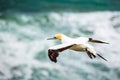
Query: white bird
(77,44)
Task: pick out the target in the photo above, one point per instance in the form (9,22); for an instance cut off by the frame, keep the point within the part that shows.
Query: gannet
(80,44)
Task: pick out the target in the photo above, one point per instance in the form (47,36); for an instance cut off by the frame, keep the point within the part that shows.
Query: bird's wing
(91,55)
(96,41)
(53,52)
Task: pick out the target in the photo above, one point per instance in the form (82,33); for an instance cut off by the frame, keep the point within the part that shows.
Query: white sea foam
(19,45)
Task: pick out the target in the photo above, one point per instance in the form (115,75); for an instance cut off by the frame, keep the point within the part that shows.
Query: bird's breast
(78,47)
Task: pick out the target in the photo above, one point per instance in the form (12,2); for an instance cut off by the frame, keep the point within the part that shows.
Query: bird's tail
(101,57)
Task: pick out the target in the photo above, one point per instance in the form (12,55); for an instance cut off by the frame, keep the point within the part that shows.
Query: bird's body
(81,43)
(77,44)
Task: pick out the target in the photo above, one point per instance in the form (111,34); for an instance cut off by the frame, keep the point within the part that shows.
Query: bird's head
(57,36)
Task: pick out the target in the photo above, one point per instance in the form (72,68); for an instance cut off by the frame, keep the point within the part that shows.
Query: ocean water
(24,48)
(58,5)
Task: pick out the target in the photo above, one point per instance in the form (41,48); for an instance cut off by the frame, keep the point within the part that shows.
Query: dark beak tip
(51,38)
(48,39)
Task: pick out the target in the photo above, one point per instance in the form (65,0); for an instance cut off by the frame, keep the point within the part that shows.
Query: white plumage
(77,44)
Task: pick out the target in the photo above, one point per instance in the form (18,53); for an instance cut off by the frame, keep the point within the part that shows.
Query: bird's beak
(51,38)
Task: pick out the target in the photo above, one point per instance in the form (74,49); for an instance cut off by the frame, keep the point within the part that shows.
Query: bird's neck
(66,39)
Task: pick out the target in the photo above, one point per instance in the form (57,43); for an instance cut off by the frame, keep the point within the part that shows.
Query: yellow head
(58,36)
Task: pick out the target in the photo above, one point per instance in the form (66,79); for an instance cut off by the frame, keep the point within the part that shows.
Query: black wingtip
(53,55)
(102,57)
(97,41)
(106,43)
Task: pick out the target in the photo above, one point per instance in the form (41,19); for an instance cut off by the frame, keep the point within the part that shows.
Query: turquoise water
(25,28)
(58,5)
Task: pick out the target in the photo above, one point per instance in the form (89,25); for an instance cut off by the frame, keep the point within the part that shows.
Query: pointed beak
(51,38)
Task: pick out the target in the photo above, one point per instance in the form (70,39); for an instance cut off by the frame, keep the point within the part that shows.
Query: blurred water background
(26,24)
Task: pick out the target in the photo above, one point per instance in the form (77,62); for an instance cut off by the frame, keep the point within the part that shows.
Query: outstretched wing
(53,52)
(96,41)
(91,55)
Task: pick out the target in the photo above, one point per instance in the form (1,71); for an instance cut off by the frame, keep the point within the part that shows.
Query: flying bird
(80,44)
